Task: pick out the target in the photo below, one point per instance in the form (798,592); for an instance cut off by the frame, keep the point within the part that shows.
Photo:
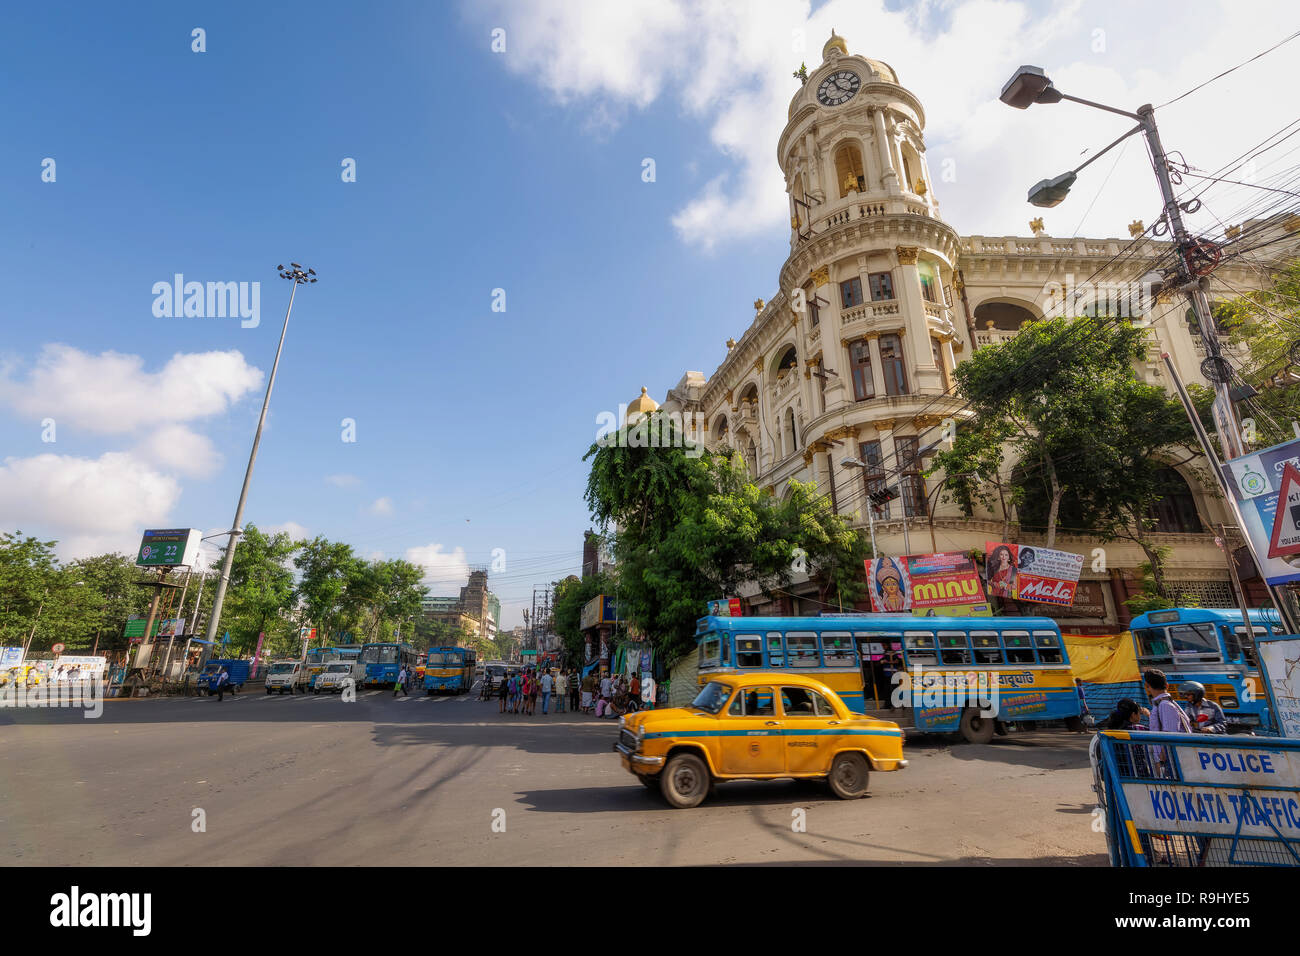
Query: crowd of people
(520,692)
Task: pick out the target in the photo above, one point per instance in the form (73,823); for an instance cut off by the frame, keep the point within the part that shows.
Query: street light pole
(298,277)
(1031,85)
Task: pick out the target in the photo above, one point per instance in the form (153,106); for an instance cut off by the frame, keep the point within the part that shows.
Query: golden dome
(642,404)
(836,42)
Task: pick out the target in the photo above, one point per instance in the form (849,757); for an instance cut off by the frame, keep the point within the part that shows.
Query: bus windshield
(380,654)
(435,659)
(712,697)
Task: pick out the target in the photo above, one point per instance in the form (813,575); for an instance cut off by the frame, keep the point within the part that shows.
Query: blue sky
(475,171)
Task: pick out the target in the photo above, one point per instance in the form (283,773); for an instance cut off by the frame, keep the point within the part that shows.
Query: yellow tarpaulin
(1102,658)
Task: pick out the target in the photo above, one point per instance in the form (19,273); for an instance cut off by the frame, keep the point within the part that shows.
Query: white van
(286,676)
(336,675)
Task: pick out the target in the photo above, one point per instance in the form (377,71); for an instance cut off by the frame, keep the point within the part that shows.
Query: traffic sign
(1285,539)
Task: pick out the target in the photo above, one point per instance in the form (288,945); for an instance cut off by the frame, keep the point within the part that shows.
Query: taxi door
(807,717)
(751,733)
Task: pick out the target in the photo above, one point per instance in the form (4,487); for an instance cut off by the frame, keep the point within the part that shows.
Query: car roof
(765,678)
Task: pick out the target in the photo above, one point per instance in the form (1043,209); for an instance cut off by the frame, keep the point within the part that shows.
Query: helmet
(1193,689)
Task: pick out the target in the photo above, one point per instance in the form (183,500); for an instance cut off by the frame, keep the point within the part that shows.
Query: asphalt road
(316,781)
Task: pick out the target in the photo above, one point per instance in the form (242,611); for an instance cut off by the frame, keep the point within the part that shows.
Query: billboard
(599,610)
(943,583)
(1036,575)
(1255,480)
(169,548)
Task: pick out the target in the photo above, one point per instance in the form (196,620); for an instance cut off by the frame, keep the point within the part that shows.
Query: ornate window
(909,478)
(860,362)
(850,293)
(891,360)
(882,286)
(849,173)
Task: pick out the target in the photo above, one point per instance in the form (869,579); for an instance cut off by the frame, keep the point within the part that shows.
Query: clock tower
(870,276)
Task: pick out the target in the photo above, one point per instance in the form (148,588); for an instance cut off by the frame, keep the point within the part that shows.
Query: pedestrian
(547,684)
(223,685)
(575,690)
(1166,717)
(585,697)
(534,690)
(634,693)
(561,692)
(400,683)
(648,693)
(504,692)
(1127,715)
(1205,716)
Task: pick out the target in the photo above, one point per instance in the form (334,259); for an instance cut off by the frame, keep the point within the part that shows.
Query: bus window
(1153,645)
(952,647)
(710,651)
(920,647)
(1241,647)
(749,650)
(435,659)
(1020,649)
(1049,648)
(775,649)
(837,646)
(1195,642)
(987,649)
(802,646)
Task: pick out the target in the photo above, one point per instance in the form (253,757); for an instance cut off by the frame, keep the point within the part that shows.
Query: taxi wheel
(848,776)
(684,782)
(976,729)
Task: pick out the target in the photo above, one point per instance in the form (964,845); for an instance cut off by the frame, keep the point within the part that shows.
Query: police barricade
(1198,799)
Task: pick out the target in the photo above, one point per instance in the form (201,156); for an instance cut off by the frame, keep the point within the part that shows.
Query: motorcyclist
(1206,716)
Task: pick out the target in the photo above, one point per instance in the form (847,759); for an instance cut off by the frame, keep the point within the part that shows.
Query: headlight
(622,722)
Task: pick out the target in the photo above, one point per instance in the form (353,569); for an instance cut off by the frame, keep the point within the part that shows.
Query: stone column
(877,366)
(911,305)
(889,178)
(764,429)
(814,184)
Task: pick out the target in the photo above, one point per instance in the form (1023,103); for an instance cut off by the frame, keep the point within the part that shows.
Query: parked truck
(287,676)
(238,670)
(337,675)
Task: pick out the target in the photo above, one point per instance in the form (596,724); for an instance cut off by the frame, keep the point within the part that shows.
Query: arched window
(849,173)
(1176,511)
(789,359)
(891,361)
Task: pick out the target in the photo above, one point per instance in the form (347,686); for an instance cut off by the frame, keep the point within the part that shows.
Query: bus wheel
(848,776)
(1074,725)
(684,782)
(976,729)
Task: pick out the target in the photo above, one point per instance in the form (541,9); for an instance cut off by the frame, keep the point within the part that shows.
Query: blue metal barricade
(1198,799)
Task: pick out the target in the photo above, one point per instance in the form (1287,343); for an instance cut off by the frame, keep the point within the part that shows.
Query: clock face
(838,88)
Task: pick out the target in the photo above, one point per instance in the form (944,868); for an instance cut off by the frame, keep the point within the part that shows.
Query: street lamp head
(851,463)
(1029,85)
(1051,192)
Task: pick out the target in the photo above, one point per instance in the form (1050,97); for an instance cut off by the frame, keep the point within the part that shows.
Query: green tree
(571,596)
(111,582)
(28,569)
(1267,322)
(1091,442)
(692,527)
(260,595)
(324,569)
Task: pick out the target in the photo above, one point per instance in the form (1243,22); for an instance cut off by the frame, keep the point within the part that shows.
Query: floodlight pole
(298,277)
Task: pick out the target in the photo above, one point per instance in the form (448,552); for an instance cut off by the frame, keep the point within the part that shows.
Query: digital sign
(169,548)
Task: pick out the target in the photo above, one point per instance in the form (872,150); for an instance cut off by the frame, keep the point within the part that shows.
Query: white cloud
(343,481)
(381,506)
(101,503)
(180,449)
(728,63)
(442,569)
(292,528)
(112,393)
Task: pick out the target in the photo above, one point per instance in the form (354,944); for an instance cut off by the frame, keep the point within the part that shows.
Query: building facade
(877,302)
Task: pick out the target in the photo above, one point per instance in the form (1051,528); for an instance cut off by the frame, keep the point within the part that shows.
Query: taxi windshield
(712,698)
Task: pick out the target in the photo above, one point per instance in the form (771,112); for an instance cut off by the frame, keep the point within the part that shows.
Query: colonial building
(879,299)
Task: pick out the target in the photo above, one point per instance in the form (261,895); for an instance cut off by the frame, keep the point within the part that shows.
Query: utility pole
(298,277)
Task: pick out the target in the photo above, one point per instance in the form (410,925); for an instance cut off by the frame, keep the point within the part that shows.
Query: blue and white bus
(383,660)
(449,669)
(1210,645)
(1018,665)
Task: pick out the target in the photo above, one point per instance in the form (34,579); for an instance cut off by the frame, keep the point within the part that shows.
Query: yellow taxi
(757,726)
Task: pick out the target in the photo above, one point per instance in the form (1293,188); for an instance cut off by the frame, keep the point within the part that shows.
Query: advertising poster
(1033,574)
(1255,480)
(946,583)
